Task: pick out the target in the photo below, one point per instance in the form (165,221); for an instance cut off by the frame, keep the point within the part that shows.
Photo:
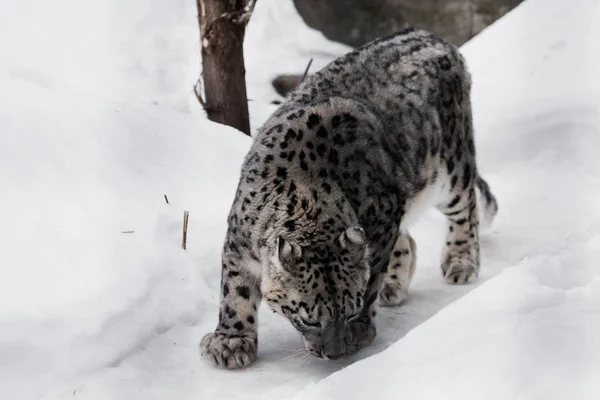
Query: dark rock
(356,22)
(283,84)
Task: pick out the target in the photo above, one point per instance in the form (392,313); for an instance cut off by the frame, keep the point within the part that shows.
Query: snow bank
(529,333)
(98,123)
(91,260)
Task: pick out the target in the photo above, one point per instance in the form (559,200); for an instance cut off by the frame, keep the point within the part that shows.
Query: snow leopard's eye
(352,317)
(309,323)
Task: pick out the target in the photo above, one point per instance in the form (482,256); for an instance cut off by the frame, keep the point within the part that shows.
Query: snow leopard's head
(320,287)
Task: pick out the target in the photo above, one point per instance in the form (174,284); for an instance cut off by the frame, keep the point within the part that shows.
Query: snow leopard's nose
(334,345)
(333,356)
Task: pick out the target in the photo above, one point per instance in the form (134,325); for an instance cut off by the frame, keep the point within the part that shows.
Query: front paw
(392,294)
(229,350)
(361,333)
(458,272)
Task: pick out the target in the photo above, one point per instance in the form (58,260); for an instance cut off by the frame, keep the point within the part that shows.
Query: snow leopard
(332,182)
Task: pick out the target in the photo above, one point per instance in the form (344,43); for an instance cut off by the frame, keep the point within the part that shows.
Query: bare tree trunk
(222,28)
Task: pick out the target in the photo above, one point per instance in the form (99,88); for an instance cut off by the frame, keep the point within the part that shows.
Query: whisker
(297,354)
(290,350)
(305,359)
(407,310)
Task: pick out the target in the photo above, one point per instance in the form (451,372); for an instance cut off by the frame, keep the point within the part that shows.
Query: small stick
(186,216)
(166,199)
(197,88)
(306,70)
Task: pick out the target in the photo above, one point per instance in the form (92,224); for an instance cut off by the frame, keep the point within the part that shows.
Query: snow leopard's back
(402,73)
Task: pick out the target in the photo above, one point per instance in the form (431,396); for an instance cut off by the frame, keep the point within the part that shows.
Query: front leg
(234,343)
(460,263)
(400,271)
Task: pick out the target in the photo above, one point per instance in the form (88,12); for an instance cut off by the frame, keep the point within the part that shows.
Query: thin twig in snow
(186,216)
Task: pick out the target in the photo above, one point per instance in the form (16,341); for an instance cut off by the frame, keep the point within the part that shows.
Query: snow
(529,333)
(98,123)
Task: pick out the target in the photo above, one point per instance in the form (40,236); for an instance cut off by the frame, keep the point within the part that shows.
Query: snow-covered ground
(98,123)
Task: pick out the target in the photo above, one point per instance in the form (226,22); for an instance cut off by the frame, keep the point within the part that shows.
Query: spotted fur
(319,224)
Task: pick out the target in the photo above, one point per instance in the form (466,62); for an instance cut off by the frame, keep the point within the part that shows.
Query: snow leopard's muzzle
(330,343)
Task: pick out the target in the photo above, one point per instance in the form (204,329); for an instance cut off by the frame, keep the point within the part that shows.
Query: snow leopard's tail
(486,203)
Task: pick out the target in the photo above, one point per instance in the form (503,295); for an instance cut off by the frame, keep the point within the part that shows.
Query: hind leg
(400,271)
(460,261)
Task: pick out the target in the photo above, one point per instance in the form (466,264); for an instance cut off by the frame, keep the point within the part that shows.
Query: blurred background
(356,22)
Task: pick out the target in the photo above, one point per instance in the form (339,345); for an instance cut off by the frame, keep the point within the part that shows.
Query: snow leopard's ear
(354,241)
(288,253)
(353,238)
